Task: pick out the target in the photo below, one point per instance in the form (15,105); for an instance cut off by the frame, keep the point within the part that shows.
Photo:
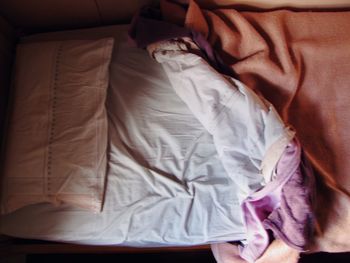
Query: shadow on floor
(187,257)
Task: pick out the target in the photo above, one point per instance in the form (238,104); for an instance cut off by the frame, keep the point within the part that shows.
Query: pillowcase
(57,135)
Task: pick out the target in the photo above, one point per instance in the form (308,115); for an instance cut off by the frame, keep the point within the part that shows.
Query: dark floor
(189,257)
(325,258)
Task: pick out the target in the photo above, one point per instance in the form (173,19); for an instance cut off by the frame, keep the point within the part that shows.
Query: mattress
(165,182)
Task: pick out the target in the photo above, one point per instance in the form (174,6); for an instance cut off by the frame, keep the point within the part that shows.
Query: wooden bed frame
(14,246)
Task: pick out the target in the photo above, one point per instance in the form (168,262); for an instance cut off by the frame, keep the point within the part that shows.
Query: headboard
(64,14)
(69,14)
(7,47)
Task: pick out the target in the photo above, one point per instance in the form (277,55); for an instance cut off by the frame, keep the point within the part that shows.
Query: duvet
(257,150)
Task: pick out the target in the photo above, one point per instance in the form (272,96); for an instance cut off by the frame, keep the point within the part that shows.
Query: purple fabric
(293,220)
(212,57)
(147,28)
(146,31)
(282,206)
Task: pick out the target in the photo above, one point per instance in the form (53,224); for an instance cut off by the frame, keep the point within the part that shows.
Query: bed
(169,174)
(151,133)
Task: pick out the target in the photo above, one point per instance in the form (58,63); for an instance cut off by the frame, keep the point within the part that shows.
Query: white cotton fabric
(173,138)
(247,131)
(57,137)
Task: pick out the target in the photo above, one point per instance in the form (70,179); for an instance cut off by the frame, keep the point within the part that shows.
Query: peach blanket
(300,62)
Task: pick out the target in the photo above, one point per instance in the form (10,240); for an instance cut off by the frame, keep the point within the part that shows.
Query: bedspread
(299,61)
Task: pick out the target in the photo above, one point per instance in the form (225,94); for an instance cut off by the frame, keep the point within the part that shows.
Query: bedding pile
(281,55)
(257,150)
(250,139)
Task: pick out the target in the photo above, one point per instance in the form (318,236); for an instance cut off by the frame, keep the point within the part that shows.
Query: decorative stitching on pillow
(53,116)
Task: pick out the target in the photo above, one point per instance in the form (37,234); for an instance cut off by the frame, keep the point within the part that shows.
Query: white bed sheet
(165,182)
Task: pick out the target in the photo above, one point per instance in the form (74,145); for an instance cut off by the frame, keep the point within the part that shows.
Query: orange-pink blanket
(300,62)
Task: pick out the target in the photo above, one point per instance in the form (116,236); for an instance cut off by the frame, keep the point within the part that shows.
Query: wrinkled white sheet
(165,182)
(246,129)
(178,168)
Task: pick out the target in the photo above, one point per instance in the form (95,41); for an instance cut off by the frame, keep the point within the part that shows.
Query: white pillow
(57,136)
